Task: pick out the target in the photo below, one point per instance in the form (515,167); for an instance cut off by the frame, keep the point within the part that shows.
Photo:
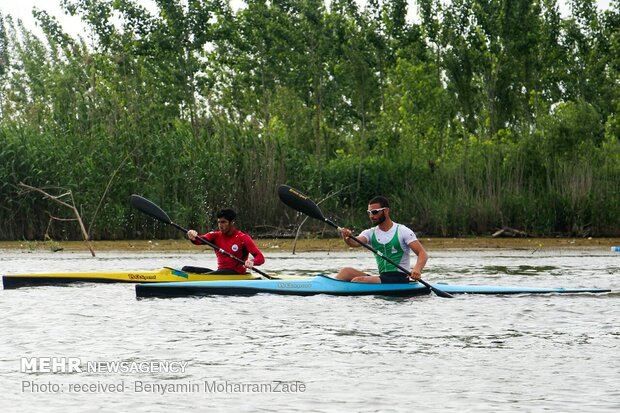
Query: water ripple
(353,354)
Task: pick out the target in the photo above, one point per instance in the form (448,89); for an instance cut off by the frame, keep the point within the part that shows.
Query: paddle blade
(299,202)
(149,208)
(441,293)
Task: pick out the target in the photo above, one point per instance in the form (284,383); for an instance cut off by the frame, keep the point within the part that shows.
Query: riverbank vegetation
(289,245)
(476,115)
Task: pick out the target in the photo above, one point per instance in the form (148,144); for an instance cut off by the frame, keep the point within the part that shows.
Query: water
(344,354)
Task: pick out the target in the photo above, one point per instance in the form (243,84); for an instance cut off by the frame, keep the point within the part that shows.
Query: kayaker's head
(226,220)
(378,210)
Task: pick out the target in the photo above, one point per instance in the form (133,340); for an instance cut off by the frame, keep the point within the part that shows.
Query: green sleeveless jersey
(392,250)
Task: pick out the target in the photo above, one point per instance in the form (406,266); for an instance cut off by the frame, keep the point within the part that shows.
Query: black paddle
(305,205)
(149,208)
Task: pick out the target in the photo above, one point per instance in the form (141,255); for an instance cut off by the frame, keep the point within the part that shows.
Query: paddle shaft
(388,259)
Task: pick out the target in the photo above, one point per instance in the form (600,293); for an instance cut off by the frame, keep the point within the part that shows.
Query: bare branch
(70,206)
(92,221)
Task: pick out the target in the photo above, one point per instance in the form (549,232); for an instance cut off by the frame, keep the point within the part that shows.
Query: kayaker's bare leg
(369,279)
(348,274)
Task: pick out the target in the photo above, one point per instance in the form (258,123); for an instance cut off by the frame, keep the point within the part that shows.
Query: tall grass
(474,192)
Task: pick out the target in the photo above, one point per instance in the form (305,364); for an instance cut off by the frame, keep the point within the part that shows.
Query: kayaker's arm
(258,259)
(192,235)
(420,252)
(346,234)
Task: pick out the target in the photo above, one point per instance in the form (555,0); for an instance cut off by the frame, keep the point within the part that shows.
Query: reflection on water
(470,353)
(519,270)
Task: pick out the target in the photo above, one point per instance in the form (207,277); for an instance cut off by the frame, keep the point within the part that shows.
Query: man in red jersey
(231,240)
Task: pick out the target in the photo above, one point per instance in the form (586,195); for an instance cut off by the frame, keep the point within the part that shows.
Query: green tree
(4,62)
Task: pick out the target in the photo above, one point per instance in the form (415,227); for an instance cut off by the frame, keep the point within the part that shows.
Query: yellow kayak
(149,276)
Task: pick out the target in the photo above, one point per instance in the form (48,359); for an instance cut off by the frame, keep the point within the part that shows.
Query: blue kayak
(322,284)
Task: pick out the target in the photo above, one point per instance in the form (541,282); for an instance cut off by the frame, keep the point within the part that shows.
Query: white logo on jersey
(235,248)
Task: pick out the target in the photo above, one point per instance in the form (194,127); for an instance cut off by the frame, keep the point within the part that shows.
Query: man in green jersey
(393,240)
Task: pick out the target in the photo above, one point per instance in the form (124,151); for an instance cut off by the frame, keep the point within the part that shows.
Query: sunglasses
(375,211)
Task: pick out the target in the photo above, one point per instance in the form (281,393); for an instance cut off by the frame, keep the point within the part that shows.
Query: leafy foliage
(480,114)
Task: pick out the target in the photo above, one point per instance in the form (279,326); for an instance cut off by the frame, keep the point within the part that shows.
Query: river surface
(268,353)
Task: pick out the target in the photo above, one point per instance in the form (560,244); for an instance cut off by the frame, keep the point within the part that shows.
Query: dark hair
(226,213)
(381,200)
